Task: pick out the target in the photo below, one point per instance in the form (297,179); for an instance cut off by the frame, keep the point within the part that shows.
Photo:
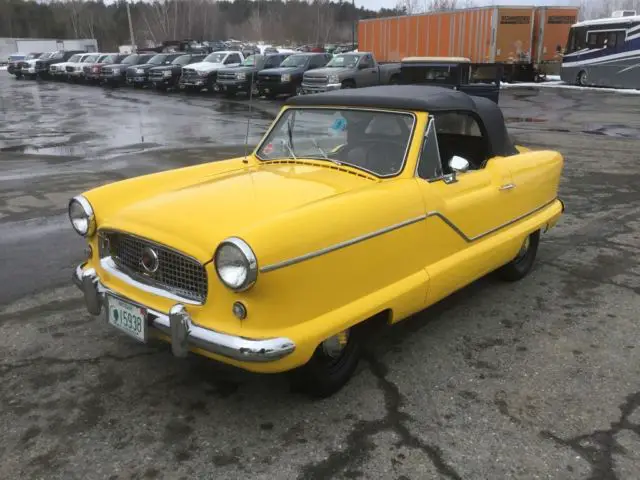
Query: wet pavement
(537,379)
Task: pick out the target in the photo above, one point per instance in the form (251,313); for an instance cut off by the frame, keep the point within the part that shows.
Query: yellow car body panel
(335,246)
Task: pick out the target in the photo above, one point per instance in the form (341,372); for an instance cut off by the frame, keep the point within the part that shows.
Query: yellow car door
(465,210)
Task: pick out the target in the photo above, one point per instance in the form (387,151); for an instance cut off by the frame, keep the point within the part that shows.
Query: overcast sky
(377,4)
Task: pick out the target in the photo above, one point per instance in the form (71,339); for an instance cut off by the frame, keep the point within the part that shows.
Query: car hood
(163,68)
(231,203)
(205,66)
(281,70)
(239,69)
(325,72)
(144,66)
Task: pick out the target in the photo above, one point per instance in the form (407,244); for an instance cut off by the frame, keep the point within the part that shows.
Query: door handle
(507,186)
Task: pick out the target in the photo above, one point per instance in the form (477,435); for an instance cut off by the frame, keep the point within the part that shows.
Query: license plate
(128,318)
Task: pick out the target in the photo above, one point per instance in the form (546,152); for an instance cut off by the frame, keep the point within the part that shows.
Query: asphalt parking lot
(538,379)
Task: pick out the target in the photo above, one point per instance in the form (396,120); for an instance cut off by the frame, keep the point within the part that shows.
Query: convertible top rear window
(374,141)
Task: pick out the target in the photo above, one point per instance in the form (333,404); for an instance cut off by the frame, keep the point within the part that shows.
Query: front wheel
(331,366)
(519,267)
(582,79)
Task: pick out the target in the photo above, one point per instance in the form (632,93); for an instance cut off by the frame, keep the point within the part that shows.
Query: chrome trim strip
(340,245)
(109,266)
(332,248)
(230,346)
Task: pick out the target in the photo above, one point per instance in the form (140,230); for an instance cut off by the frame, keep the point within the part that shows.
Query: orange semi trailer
(526,39)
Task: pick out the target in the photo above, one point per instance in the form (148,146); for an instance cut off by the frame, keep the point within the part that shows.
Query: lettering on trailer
(515,19)
(562,19)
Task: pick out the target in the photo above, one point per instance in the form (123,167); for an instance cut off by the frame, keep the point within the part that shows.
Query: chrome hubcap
(334,346)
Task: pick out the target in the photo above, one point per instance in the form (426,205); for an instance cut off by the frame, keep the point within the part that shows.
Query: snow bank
(561,84)
(3,68)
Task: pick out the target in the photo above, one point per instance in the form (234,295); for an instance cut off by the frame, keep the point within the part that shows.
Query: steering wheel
(382,156)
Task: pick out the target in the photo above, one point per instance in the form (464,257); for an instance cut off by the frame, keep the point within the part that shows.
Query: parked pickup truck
(198,76)
(351,70)
(243,78)
(457,73)
(287,78)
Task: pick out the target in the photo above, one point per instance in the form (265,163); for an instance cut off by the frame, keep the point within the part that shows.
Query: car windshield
(373,141)
(31,56)
(343,61)
(57,56)
(158,59)
(295,61)
(181,60)
(131,59)
(91,58)
(45,55)
(74,58)
(215,57)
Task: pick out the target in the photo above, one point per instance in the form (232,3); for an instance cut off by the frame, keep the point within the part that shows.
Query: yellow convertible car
(357,204)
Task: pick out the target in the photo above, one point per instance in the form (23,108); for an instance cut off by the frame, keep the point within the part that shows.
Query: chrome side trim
(109,266)
(353,241)
(340,245)
(185,333)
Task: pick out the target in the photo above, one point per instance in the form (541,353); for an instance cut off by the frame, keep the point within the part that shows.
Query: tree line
(281,22)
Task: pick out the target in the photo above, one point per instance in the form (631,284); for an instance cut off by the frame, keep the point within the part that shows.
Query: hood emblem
(149,260)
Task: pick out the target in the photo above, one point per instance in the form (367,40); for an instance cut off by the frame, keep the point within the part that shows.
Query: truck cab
(458,73)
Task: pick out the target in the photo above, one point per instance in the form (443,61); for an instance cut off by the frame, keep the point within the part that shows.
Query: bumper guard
(183,332)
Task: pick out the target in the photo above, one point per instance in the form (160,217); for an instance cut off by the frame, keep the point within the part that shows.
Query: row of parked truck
(270,75)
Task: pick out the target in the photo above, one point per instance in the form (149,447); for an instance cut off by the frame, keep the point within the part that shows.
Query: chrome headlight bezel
(89,216)
(285,78)
(249,260)
(241,76)
(333,78)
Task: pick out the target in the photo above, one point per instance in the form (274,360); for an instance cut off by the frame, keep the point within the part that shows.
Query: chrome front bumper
(308,88)
(184,334)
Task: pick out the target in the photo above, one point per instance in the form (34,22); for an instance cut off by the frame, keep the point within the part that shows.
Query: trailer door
(484,81)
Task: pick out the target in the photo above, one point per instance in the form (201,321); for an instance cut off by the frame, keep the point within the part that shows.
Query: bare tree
(410,7)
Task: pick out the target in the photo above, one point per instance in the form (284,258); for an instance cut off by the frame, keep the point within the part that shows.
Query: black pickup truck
(243,78)
(116,75)
(138,75)
(168,76)
(479,79)
(287,78)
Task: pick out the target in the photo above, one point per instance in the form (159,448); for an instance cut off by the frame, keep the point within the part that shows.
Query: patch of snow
(3,68)
(561,84)
(553,78)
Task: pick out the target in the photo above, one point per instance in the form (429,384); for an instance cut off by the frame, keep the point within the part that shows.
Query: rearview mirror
(457,165)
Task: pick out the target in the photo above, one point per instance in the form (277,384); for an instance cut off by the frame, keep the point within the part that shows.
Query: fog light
(239,310)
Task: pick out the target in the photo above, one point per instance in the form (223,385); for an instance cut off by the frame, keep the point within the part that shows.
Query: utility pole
(133,42)
(353,25)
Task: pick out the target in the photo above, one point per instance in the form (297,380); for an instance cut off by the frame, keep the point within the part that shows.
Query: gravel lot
(538,379)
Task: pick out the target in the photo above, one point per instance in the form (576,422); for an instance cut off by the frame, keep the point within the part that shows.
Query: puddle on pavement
(57,150)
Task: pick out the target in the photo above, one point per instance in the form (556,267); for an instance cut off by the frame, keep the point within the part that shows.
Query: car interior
(459,134)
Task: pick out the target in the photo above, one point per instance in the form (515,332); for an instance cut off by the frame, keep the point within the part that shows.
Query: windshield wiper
(324,154)
(289,145)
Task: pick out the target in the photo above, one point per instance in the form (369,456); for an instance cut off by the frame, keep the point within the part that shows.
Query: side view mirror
(457,165)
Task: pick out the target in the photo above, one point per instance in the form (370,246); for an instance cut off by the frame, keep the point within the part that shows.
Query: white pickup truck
(201,75)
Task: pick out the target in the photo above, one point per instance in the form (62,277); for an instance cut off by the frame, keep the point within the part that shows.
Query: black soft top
(422,98)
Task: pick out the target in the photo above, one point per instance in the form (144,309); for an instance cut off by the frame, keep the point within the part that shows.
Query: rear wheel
(519,267)
(331,365)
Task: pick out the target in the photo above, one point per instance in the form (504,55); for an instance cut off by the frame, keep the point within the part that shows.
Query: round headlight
(236,264)
(81,216)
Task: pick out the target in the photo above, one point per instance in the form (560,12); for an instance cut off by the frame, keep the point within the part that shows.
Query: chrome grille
(316,80)
(70,69)
(189,74)
(176,273)
(226,76)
